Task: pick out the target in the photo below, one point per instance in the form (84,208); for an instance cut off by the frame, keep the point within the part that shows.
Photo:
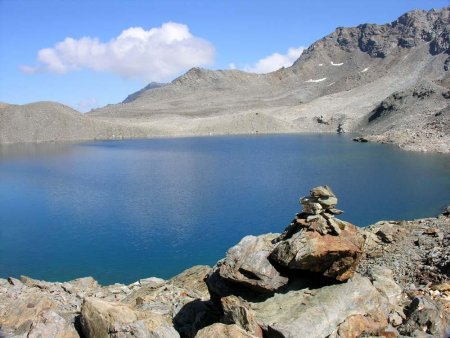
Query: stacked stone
(319,211)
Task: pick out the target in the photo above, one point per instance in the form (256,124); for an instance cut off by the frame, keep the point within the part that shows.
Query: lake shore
(48,122)
(90,128)
(388,279)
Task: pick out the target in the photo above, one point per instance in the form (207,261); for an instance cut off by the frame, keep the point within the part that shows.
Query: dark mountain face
(408,31)
(150,86)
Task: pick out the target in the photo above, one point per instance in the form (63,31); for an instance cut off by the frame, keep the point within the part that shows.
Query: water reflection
(27,150)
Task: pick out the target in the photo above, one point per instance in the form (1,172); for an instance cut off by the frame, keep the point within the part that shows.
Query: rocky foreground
(322,277)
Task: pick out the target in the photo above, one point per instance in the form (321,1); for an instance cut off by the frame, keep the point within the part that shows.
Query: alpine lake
(124,210)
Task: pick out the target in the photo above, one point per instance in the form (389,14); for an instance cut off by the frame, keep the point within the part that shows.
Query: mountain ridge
(339,80)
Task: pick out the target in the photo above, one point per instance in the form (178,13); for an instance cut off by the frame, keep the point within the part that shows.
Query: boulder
(383,279)
(115,320)
(223,331)
(247,264)
(318,313)
(50,324)
(83,287)
(428,317)
(360,139)
(151,281)
(332,256)
(373,324)
(193,279)
(169,297)
(30,282)
(18,312)
(237,311)
(33,308)
(184,299)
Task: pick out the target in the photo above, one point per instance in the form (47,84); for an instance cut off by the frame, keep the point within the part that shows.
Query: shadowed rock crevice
(194,316)
(78,326)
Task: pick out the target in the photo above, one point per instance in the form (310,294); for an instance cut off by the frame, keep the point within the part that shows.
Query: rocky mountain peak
(409,30)
(192,74)
(150,86)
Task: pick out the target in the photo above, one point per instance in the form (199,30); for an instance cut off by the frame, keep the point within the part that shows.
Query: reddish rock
(333,256)
(247,264)
(359,325)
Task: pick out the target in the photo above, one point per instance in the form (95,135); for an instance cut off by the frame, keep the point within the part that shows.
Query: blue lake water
(124,210)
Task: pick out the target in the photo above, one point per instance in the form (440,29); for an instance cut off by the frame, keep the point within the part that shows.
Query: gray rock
(319,224)
(310,206)
(15,282)
(19,310)
(85,283)
(237,311)
(322,191)
(406,42)
(426,316)
(184,300)
(51,324)
(395,319)
(335,211)
(328,202)
(383,279)
(360,139)
(247,264)
(102,319)
(193,279)
(151,281)
(417,252)
(322,195)
(334,225)
(318,313)
(34,282)
(223,331)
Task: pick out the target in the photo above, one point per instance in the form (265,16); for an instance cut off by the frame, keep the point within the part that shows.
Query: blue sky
(90,53)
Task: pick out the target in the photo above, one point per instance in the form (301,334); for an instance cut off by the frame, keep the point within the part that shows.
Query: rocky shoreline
(321,277)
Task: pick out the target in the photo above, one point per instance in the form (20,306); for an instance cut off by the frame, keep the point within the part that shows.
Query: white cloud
(275,61)
(157,54)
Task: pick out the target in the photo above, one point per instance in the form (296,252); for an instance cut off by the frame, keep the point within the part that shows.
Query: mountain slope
(341,79)
(50,121)
(134,96)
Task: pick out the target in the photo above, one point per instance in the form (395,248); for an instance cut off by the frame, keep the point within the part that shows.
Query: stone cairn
(319,214)
(319,210)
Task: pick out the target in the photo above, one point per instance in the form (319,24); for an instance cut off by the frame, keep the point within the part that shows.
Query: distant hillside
(50,121)
(341,79)
(134,96)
